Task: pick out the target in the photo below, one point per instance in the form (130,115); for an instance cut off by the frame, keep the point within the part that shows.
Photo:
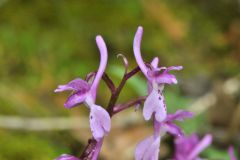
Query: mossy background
(44,43)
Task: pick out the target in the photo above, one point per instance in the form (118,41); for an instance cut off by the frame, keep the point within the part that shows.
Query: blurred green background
(45,43)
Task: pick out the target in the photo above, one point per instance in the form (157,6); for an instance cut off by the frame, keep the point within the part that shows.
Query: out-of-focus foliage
(47,42)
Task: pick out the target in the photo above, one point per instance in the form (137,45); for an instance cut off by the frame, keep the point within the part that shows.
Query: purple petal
(148,149)
(154,62)
(204,143)
(231,153)
(166,78)
(184,145)
(155,72)
(180,115)
(174,68)
(137,50)
(155,104)
(100,121)
(173,129)
(75,85)
(102,66)
(75,99)
(66,157)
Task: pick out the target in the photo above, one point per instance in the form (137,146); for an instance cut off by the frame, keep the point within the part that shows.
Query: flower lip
(155,105)
(100,121)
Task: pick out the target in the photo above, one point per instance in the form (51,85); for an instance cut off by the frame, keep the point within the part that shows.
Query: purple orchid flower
(188,148)
(231,153)
(157,77)
(83,92)
(66,157)
(148,149)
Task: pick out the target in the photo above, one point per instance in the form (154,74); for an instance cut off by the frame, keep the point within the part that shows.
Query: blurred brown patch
(160,13)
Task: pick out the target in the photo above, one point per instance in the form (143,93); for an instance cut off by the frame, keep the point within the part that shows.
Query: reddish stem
(115,94)
(120,107)
(109,82)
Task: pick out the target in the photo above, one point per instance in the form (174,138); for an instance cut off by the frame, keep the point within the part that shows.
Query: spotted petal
(75,85)
(155,104)
(148,149)
(100,121)
(66,157)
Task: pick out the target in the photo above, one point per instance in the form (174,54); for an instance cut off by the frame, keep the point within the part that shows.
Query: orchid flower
(83,92)
(231,153)
(188,148)
(157,77)
(148,149)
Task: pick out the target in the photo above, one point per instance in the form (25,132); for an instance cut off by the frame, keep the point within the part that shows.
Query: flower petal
(148,149)
(75,99)
(154,62)
(204,143)
(76,85)
(155,104)
(179,115)
(166,78)
(173,129)
(174,68)
(184,146)
(100,121)
(231,153)
(66,157)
